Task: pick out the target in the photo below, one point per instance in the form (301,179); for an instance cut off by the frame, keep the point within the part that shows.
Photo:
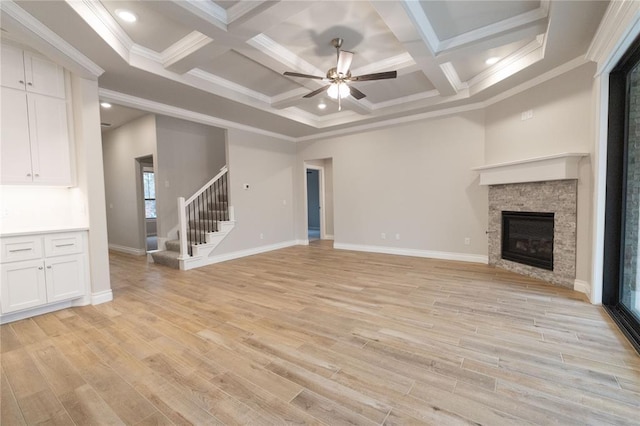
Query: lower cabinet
(54,276)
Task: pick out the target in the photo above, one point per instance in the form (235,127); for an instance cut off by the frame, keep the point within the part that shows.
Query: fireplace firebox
(527,237)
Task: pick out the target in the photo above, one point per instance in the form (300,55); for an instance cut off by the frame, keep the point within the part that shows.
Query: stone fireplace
(542,187)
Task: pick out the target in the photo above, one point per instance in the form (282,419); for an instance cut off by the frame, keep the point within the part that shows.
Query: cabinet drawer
(21,248)
(62,244)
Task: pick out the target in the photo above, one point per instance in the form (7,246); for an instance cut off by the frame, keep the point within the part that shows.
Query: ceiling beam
(411,27)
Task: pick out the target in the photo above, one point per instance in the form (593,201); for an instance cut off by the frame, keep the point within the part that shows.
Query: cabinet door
(22,286)
(65,277)
(12,71)
(49,140)
(15,148)
(43,76)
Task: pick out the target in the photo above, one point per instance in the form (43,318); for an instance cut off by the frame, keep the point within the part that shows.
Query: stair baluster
(203,212)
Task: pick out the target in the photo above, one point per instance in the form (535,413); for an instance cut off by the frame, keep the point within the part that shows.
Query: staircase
(205,219)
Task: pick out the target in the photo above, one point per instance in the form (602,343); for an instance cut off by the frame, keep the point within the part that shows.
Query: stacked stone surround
(558,197)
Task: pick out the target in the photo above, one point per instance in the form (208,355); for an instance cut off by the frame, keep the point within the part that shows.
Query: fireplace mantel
(540,169)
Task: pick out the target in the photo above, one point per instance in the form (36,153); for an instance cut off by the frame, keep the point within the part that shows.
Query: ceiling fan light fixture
(338,90)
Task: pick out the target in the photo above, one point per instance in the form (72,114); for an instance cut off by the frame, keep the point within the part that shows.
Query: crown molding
(283,55)
(549,75)
(519,60)
(52,41)
(330,120)
(164,109)
(101,21)
(452,75)
(524,19)
(242,8)
(612,37)
(422,24)
(429,94)
(398,62)
(221,82)
(207,10)
(184,47)
(391,122)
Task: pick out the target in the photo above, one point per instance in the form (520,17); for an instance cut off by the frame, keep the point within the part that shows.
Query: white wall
(189,155)
(562,122)
(267,165)
(90,180)
(414,180)
(121,147)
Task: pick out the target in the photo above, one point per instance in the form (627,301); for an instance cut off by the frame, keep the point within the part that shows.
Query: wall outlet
(245,186)
(261,236)
(467,241)
(397,236)
(383,236)
(527,115)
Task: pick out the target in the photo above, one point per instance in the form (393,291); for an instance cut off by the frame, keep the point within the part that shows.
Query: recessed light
(105,105)
(126,15)
(492,60)
(322,105)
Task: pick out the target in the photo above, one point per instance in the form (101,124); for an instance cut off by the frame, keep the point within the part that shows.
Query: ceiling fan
(339,77)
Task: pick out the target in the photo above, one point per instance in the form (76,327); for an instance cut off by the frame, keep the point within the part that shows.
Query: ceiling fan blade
(344,62)
(297,74)
(376,76)
(356,93)
(315,92)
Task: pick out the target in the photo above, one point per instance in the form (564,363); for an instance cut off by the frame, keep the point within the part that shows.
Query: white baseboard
(302,242)
(203,261)
(582,287)
(128,250)
(461,257)
(328,237)
(101,297)
(28,313)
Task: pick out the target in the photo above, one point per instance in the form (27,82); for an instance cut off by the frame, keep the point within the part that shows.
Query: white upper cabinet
(15,153)
(34,144)
(31,72)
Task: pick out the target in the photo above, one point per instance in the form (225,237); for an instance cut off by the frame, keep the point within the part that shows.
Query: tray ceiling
(235,52)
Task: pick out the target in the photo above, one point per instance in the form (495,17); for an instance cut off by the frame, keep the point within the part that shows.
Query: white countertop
(33,231)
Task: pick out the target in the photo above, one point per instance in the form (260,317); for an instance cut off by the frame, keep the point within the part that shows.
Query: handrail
(223,170)
(201,213)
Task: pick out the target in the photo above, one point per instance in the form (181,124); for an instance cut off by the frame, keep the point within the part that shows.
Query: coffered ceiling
(226,58)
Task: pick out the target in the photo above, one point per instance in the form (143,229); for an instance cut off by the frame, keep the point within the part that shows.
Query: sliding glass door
(621,291)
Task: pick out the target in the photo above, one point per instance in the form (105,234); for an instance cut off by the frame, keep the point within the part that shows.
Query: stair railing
(202,212)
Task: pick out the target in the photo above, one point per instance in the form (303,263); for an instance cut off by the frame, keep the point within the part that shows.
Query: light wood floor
(316,335)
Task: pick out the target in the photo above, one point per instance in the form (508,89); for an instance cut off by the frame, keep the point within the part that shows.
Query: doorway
(314,205)
(148,203)
(621,281)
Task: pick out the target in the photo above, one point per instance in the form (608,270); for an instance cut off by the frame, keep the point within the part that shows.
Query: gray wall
(562,117)
(414,180)
(189,155)
(267,207)
(120,148)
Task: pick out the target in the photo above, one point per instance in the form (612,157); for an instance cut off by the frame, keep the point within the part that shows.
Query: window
(149,195)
